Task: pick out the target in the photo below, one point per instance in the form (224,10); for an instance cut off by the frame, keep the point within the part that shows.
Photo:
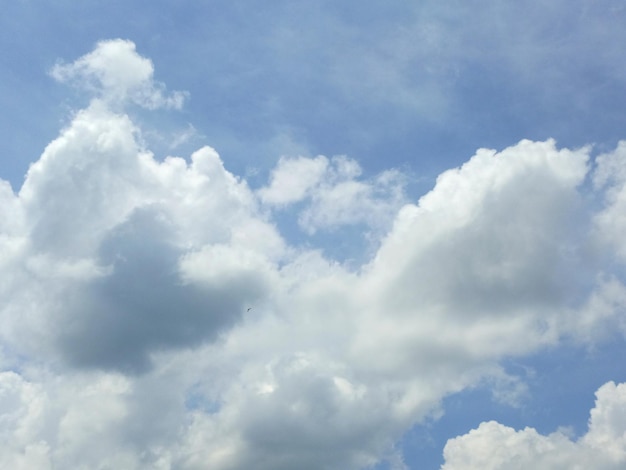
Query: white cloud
(333,194)
(351,202)
(117,74)
(292,179)
(101,217)
(602,315)
(21,408)
(125,282)
(494,446)
(487,241)
(610,222)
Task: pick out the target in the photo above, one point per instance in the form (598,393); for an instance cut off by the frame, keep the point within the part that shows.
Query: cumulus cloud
(116,73)
(163,287)
(292,179)
(610,173)
(100,217)
(487,240)
(494,446)
(333,193)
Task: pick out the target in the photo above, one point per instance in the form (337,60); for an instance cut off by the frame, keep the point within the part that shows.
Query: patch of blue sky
(195,399)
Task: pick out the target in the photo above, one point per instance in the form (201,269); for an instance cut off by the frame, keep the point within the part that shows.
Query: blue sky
(421,203)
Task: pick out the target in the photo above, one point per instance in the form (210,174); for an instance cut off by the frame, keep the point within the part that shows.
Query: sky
(312,235)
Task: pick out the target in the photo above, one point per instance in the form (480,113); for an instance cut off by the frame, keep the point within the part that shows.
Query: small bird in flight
(249,308)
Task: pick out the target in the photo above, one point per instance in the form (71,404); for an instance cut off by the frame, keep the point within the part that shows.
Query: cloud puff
(292,179)
(126,281)
(117,74)
(333,194)
(611,220)
(21,405)
(495,446)
(486,243)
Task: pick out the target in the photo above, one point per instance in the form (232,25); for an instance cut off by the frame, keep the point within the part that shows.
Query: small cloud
(334,193)
(183,136)
(117,74)
(293,179)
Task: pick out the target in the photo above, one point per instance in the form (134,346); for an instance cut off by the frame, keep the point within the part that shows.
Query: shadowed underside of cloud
(143,305)
(126,282)
(107,227)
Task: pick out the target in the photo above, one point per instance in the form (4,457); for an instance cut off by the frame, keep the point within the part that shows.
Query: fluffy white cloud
(21,406)
(117,74)
(100,226)
(292,179)
(477,269)
(611,221)
(494,446)
(334,195)
(125,282)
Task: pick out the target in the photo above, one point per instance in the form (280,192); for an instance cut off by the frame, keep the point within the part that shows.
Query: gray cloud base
(142,305)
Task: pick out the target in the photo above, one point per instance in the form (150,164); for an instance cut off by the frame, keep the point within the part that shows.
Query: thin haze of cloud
(423,83)
(126,284)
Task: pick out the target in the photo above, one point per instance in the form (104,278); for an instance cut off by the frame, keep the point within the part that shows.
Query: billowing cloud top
(135,287)
(494,446)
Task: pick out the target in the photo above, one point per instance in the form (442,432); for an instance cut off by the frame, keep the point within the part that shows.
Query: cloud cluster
(611,221)
(493,446)
(333,192)
(153,315)
(105,227)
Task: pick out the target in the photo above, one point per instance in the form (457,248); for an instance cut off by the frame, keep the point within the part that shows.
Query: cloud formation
(493,446)
(105,231)
(333,194)
(126,283)
(116,73)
